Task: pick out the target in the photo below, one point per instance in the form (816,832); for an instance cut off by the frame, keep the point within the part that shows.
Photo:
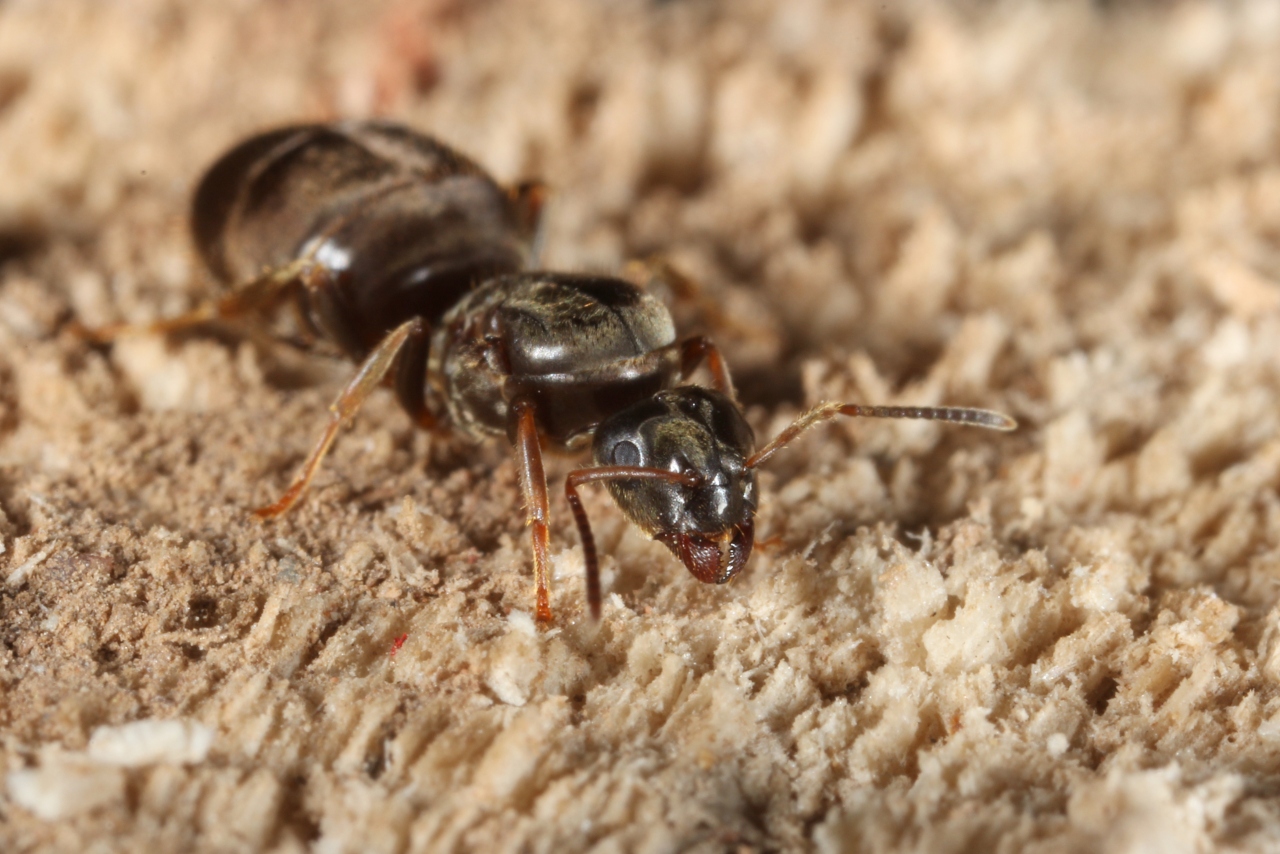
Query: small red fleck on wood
(397,643)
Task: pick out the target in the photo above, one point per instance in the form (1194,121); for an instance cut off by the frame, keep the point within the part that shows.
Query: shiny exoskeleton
(415,262)
(363,226)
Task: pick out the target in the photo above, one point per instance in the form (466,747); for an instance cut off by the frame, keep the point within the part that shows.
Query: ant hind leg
(370,375)
(260,294)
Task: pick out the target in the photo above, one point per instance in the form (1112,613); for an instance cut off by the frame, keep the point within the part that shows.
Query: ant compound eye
(625,453)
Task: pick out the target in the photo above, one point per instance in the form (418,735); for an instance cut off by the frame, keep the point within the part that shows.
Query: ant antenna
(825,411)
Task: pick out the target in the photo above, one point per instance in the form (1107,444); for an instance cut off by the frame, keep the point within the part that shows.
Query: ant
(416,264)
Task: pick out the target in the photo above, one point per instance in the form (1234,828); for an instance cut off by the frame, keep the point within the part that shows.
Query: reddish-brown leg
(694,351)
(261,294)
(367,378)
(265,292)
(530,198)
(410,381)
(580,476)
(681,289)
(533,486)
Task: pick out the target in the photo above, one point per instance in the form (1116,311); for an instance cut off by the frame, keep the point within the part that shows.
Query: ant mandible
(415,263)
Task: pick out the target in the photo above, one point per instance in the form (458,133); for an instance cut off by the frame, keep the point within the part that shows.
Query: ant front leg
(367,378)
(533,486)
(263,293)
(598,474)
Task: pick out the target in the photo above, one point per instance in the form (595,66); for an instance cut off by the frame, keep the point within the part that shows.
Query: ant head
(706,517)
(681,465)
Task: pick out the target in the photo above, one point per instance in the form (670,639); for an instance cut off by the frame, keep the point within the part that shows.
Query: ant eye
(625,453)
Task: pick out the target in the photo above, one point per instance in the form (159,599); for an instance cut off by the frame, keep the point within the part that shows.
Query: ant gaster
(415,263)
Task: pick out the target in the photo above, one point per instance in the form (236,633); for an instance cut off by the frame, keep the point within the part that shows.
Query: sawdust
(1065,639)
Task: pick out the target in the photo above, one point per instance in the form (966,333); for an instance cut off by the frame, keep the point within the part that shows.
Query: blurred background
(792,156)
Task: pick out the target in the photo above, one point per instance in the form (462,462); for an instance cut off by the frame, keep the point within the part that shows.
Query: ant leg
(589,559)
(657,270)
(265,292)
(657,273)
(698,349)
(367,378)
(410,381)
(826,411)
(533,484)
(591,475)
(530,200)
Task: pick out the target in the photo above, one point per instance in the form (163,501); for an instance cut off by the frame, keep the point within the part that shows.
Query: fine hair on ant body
(416,264)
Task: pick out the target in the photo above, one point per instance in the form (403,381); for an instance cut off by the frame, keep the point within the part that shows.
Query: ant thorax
(580,348)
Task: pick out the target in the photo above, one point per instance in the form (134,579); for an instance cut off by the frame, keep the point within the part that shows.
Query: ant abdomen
(396,224)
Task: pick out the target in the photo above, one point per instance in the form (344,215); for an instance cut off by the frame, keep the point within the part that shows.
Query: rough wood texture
(1066,639)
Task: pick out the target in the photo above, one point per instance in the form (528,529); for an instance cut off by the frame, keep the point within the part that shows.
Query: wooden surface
(1064,639)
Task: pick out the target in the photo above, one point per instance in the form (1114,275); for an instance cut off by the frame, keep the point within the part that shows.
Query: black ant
(414,261)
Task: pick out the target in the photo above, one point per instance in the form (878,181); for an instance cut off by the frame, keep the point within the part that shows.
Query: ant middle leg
(369,376)
(530,198)
(698,349)
(533,485)
(682,358)
(659,275)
